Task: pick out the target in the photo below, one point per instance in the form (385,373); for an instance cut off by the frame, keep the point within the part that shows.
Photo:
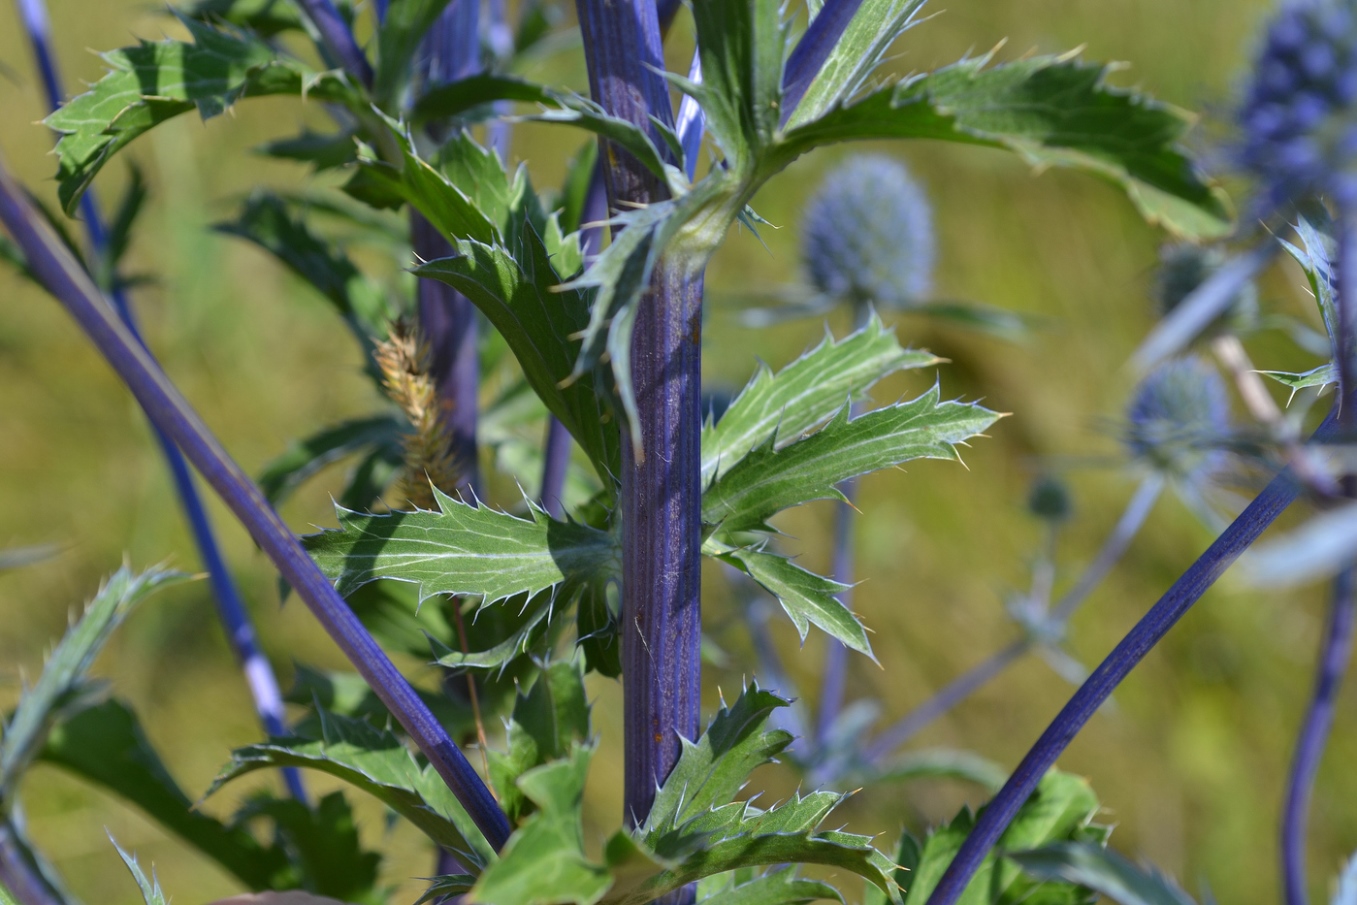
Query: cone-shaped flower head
(868,234)
(1299,117)
(1183,268)
(1178,418)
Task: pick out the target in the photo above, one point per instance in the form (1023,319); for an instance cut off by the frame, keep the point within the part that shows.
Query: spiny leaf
(544,862)
(63,681)
(777,887)
(150,889)
(1102,870)
(306,457)
(539,319)
(105,745)
(805,393)
(398,37)
(1322,376)
(769,479)
(151,83)
(1053,111)
(377,762)
(806,597)
(324,844)
(463,549)
(1061,809)
(859,51)
(547,721)
(713,769)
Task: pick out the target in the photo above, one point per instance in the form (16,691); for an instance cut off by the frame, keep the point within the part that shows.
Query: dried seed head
(1299,116)
(1178,418)
(1183,268)
(405,362)
(868,234)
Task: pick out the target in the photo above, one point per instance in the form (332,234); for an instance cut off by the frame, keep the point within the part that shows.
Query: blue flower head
(1178,418)
(1299,117)
(868,235)
(1183,267)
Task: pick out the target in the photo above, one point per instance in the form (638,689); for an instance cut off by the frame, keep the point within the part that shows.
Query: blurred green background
(1190,762)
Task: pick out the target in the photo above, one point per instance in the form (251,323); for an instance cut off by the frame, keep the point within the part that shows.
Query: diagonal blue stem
(338,39)
(235,618)
(812,50)
(1186,591)
(67,281)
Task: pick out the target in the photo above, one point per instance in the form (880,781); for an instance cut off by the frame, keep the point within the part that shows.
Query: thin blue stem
(235,618)
(1186,591)
(812,50)
(1333,660)
(67,281)
(835,674)
(338,39)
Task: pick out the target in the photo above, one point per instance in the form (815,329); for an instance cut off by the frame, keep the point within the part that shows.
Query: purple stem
(661,486)
(556,453)
(1259,514)
(63,277)
(338,39)
(20,873)
(1333,659)
(812,50)
(235,618)
(835,675)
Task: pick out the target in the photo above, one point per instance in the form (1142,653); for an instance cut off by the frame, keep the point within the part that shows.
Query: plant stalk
(661,487)
(338,39)
(63,277)
(1335,652)
(810,53)
(1186,591)
(231,610)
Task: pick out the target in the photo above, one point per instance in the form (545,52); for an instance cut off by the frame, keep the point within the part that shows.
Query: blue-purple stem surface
(1335,652)
(231,610)
(338,39)
(1186,591)
(810,53)
(661,488)
(64,278)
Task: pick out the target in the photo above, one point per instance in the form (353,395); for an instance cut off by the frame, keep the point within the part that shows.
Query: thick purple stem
(20,873)
(661,486)
(1186,591)
(810,53)
(1333,660)
(338,39)
(235,618)
(63,277)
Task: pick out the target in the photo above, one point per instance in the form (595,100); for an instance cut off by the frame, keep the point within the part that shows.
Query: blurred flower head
(868,234)
(1299,116)
(1049,499)
(1177,420)
(1183,267)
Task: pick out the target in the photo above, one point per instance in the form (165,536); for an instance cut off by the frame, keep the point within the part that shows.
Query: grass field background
(1189,760)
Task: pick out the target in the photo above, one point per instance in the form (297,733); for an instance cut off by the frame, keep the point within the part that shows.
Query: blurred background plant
(1191,763)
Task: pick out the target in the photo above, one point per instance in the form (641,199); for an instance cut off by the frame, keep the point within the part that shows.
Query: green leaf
(544,862)
(105,745)
(323,150)
(806,597)
(1054,112)
(327,855)
(377,762)
(859,51)
(151,83)
(398,38)
(1315,255)
(348,694)
(63,682)
(150,889)
(267,221)
(530,622)
(1105,872)
(7,897)
(713,769)
(456,98)
(1322,376)
(539,319)
(778,887)
(265,17)
(741,43)
(120,227)
(769,479)
(463,550)
(804,394)
(547,722)
(307,457)
(1061,809)
(447,886)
